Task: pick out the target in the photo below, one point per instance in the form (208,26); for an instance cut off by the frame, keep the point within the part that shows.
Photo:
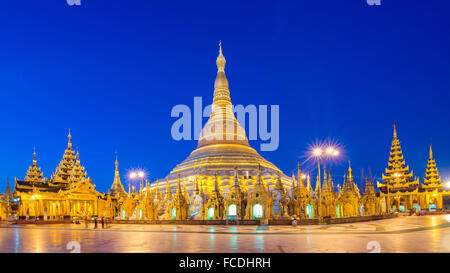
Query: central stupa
(222,147)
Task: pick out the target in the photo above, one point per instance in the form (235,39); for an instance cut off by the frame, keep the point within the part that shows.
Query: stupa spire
(216,185)
(395,131)
(117,186)
(278,184)
(69,142)
(236,179)
(178,184)
(168,190)
(8,189)
(221,92)
(431,152)
(259,175)
(308,184)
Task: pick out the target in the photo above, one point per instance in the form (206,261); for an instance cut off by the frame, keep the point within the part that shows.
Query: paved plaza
(402,234)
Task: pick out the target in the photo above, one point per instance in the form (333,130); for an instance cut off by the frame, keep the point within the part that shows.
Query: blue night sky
(111,71)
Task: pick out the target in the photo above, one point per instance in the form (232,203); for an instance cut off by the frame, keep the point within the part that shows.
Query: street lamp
(447,185)
(137,175)
(318,152)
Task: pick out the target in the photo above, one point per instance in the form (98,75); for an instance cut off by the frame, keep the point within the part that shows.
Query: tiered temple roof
(69,176)
(34,174)
(66,165)
(432,180)
(397,176)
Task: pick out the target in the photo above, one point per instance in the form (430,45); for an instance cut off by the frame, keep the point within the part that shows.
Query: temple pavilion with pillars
(67,194)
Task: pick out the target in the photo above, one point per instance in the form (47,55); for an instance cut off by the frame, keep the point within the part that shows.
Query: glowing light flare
(329,151)
(447,184)
(136,174)
(317,152)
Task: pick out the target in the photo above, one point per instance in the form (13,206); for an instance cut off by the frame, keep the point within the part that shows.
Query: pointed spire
(350,171)
(432,180)
(395,131)
(236,180)
(34,173)
(168,190)
(431,152)
(185,191)
(258,182)
(178,184)
(216,185)
(318,185)
(330,180)
(7,190)
(117,187)
(34,157)
(69,143)
(196,188)
(279,184)
(222,125)
(221,92)
(301,182)
(220,59)
(308,184)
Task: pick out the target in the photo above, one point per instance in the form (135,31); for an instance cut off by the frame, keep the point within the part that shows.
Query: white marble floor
(403,234)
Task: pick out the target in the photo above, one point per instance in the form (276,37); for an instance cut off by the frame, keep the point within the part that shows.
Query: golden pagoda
(328,196)
(236,200)
(432,180)
(398,190)
(6,200)
(222,146)
(117,188)
(301,204)
(349,198)
(281,201)
(369,200)
(259,201)
(178,208)
(214,205)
